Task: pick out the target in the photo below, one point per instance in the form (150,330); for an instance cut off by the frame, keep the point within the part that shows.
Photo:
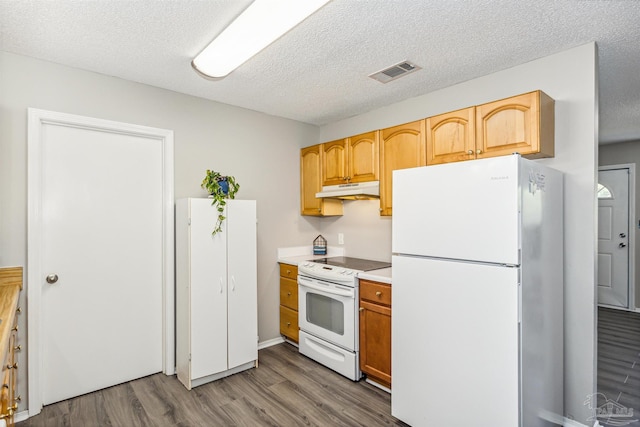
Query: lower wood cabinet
(289,301)
(10,285)
(375,331)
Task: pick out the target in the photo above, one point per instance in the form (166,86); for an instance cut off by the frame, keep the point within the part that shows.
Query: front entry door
(613,240)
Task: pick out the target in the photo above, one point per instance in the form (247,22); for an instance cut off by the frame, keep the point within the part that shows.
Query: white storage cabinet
(216,291)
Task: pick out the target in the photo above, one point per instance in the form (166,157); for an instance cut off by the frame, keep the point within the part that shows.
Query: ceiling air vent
(395,71)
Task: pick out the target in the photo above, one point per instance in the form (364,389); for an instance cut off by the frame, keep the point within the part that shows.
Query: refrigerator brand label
(536,182)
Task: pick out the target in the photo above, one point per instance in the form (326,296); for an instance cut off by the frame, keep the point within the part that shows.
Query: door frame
(631,167)
(36,120)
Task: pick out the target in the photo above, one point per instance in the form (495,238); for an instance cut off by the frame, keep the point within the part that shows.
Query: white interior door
(613,240)
(98,261)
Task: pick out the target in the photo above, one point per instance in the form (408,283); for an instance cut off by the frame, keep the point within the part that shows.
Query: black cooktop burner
(352,263)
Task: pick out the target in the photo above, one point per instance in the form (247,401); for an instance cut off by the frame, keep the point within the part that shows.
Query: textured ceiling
(317,73)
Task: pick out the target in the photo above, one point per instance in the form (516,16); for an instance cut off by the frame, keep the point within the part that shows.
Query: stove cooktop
(352,263)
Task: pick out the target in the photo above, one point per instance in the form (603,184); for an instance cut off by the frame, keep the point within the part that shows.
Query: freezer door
(465,210)
(455,354)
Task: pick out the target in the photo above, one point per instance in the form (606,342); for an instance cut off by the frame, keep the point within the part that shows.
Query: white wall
(261,151)
(570,78)
(623,153)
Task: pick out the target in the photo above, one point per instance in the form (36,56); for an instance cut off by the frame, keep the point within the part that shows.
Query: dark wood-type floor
(619,366)
(287,389)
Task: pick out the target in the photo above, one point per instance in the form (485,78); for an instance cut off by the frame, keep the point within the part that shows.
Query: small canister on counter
(320,245)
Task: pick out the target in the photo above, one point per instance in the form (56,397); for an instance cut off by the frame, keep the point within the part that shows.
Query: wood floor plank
(287,389)
(618,376)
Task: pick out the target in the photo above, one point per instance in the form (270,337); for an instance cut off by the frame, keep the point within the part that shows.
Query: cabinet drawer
(289,293)
(289,323)
(375,292)
(289,271)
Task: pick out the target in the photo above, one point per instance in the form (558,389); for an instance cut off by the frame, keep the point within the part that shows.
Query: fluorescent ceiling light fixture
(262,23)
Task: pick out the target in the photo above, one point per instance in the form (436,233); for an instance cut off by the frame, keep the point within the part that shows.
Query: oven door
(327,310)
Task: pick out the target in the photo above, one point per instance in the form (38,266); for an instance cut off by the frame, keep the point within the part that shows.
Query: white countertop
(297,254)
(382,275)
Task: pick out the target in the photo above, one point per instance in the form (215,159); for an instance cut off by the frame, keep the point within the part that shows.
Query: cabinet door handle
(361,309)
(19,309)
(478,151)
(233,283)
(14,366)
(288,294)
(288,272)
(378,293)
(470,152)
(15,328)
(18,347)
(221,285)
(288,324)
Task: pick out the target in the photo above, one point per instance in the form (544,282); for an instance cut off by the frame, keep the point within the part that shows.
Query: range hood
(356,191)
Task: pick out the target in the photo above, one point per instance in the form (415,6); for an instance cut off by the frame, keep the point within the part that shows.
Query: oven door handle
(328,291)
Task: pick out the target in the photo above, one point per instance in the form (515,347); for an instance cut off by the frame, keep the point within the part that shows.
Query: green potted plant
(220,189)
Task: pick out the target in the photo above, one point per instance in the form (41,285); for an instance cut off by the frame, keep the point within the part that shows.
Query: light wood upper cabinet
(353,159)
(521,124)
(363,157)
(451,137)
(401,147)
(311,183)
(334,163)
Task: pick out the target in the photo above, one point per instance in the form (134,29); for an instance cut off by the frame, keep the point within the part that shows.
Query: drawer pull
(288,324)
(15,328)
(14,366)
(378,293)
(19,310)
(288,271)
(18,398)
(18,347)
(361,308)
(288,294)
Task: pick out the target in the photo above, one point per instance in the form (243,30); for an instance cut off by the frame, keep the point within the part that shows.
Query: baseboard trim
(269,343)
(21,416)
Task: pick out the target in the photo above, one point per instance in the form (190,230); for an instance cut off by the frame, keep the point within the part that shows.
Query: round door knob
(288,324)
(52,278)
(288,294)
(378,293)
(470,152)
(361,309)
(622,235)
(621,245)
(478,151)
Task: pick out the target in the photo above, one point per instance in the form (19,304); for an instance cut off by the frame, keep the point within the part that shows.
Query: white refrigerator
(477,285)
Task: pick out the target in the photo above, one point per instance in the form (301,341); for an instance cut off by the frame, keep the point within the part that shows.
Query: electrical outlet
(341,238)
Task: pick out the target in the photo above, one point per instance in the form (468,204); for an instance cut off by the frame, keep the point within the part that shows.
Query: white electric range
(327,304)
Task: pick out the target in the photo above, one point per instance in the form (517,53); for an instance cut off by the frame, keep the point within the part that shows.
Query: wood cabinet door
(363,157)
(375,342)
(334,162)
(401,147)
(451,137)
(514,125)
(310,184)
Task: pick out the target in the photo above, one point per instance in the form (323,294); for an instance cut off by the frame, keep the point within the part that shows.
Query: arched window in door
(604,192)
